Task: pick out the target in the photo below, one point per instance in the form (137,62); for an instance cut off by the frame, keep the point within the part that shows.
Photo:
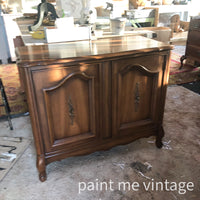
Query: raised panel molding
(93,95)
(136,96)
(139,67)
(62,108)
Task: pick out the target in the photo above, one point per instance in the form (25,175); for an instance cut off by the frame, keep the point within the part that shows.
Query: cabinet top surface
(90,49)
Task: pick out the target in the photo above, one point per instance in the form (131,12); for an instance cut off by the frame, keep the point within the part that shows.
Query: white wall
(195,8)
(29,6)
(76,7)
(25,6)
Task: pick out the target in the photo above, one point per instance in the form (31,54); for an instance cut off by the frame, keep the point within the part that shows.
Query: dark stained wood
(135,93)
(84,50)
(193,42)
(18,42)
(92,95)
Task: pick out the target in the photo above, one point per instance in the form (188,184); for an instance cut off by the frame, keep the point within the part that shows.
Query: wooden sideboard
(88,96)
(193,42)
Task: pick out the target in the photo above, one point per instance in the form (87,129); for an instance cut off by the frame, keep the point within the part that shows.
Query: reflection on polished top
(90,49)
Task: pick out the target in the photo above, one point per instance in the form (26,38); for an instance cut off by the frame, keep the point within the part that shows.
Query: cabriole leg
(41,168)
(42,176)
(182,59)
(159,137)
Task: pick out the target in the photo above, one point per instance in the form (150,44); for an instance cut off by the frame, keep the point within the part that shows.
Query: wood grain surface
(89,49)
(92,95)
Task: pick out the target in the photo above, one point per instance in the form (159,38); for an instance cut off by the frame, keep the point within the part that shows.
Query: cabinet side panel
(194,37)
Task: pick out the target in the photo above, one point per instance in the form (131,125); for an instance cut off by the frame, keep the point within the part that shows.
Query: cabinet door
(67,103)
(136,91)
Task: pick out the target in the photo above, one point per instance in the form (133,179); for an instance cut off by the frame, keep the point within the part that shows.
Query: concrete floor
(140,162)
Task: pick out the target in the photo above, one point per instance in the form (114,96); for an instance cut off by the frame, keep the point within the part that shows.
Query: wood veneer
(92,95)
(193,42)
